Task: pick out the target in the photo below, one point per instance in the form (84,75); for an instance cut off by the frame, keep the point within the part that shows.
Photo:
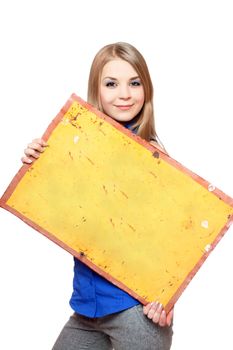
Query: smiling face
(121,91)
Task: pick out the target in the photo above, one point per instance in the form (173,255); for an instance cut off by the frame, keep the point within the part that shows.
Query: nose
(124,92)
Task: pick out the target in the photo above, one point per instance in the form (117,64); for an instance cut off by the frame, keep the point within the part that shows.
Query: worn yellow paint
(138,218)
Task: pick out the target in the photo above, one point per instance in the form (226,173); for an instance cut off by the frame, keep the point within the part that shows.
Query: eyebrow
(112,78)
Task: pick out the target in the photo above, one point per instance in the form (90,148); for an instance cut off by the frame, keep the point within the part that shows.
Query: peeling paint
(205,224)
(208,247)
(76,139)
(211,187)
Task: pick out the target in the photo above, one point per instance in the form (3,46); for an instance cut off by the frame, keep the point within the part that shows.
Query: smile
(123,107)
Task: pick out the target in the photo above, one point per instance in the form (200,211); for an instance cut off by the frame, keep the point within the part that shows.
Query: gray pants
(126,330)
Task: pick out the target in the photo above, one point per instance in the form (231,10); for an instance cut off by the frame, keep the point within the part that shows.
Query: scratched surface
(139,220)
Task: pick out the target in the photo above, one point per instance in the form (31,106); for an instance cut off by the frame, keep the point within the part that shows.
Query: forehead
(118,68)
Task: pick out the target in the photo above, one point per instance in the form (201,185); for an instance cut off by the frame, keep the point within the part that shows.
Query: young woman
(106,317)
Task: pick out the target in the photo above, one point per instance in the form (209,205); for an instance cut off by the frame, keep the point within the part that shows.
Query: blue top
(93,295)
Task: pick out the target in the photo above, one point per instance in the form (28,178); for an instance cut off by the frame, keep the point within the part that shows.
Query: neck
(131,122)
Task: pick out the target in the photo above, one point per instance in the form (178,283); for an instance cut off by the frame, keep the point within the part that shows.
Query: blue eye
(111,84)
(135,83)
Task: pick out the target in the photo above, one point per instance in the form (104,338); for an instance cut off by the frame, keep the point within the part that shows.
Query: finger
(170,317)
(40,141)
(31,152)
(36,146)
(153,310)
(26,160)
(156,314)
(163,319)
(147,308)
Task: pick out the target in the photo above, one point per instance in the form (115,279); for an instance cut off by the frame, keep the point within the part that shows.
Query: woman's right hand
(33,151)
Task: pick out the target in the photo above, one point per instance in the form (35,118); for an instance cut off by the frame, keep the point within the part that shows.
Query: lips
(123,107)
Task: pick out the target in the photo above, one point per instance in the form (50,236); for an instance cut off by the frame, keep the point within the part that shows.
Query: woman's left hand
(157,314)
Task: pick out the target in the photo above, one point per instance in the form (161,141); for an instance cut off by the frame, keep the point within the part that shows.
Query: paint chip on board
(211,187)
(65,121)
(76,138)
(207,247)
(205,224)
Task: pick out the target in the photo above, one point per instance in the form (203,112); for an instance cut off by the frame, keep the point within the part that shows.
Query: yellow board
(130,212)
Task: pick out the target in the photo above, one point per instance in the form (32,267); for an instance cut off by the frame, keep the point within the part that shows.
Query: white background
(46,51)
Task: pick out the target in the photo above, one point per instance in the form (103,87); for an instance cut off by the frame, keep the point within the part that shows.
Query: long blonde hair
(145,120)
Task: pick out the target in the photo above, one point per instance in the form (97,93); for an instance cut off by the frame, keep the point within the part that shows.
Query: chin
(123,118)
